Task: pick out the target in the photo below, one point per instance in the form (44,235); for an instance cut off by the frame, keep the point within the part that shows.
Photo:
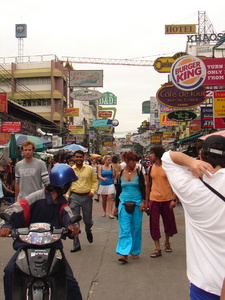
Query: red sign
(105,114)
(8,126)
(215,74)
(4,138)
(3,103)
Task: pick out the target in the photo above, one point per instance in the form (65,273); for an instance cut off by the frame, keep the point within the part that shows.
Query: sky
(120,29)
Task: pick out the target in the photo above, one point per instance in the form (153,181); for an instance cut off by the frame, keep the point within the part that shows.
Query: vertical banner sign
(206,117)
(219,109)
(3,103)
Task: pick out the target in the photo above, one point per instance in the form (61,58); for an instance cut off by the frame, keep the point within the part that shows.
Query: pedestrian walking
(106,174)
(204,214)
(160,201)
(130,201)
(81,196)
(31,174)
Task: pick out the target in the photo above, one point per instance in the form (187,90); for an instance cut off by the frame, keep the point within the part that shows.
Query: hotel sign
(180,29)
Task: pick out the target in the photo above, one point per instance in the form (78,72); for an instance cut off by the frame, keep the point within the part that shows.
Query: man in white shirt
(204,214)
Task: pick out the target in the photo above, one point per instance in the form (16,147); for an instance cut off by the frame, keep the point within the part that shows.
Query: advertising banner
(86,95)
(86,78)
(76,129)
(3,103)
(170,95)
(146,107)
(4,138)
(219,109)
(206,117)
(8,126)
(108,98)
(71,112)
(189,72)
(164,121)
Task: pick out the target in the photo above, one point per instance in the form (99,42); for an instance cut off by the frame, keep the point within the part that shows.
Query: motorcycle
(40,272)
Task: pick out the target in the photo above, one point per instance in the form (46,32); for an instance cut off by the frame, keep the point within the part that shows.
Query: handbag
(129,207)
(213,190)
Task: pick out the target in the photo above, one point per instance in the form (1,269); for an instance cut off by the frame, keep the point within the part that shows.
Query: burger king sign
(188,73)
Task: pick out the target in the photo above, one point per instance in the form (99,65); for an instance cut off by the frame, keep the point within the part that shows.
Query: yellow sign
(180,29)
(219,104)
(163,64)
(71,112)
(76,129)
(164,121)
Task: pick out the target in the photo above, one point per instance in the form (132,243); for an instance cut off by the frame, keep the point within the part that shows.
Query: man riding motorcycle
(46,205)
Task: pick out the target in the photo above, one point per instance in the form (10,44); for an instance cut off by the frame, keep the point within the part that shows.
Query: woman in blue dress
(130,200)
(106,174)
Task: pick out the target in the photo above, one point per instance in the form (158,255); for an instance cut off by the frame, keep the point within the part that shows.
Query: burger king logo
(188,73)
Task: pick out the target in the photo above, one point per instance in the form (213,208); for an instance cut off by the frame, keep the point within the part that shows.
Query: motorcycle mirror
(75,218)
(6,217)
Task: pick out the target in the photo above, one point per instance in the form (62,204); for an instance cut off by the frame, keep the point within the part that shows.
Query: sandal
(134,256)
(123,258)
(156,253)
(167,247)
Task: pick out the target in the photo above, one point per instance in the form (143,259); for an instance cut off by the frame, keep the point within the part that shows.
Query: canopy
(74,147)
(221,132)
(13,147)
(40,143)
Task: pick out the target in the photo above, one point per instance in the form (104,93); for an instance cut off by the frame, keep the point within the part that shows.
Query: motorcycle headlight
(39,238)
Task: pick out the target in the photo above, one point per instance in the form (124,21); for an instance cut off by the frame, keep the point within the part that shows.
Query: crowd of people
(126,188)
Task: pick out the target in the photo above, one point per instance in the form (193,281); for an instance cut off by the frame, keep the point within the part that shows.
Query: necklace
(129,172)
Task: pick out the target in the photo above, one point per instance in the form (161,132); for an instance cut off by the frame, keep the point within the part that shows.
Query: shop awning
(189,138)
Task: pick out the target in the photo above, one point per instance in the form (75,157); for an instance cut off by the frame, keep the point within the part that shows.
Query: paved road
(101,276)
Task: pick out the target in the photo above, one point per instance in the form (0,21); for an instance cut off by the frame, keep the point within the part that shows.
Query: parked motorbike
(40,272)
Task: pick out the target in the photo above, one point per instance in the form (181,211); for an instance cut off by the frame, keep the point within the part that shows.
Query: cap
(215,144)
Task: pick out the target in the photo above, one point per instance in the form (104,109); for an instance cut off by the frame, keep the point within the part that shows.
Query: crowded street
(101,276)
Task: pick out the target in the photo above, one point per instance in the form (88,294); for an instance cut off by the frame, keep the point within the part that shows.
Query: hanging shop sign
(213,37)
(206,117)
(105,122)
(8,126)
(219,109)
(190,72)
(108,98)
(164,121)
(105,114)
(3,103)
(169,95)
(146,107)
(71,112)
(86,78)
(182,115)
(180,29)
(86,95)
(76,129)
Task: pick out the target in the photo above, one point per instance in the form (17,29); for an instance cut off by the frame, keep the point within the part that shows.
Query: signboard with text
(76,129)
(108,99)
(71,112)
(8,126)
(86,78)
(3,102)
(219,109)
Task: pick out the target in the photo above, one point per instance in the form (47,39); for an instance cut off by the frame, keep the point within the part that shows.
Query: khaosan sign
(169,95)
(189,72)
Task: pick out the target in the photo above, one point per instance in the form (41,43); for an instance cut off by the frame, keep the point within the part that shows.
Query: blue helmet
(61,174)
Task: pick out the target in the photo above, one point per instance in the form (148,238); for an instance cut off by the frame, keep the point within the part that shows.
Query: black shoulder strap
(149,172)
(213,190)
